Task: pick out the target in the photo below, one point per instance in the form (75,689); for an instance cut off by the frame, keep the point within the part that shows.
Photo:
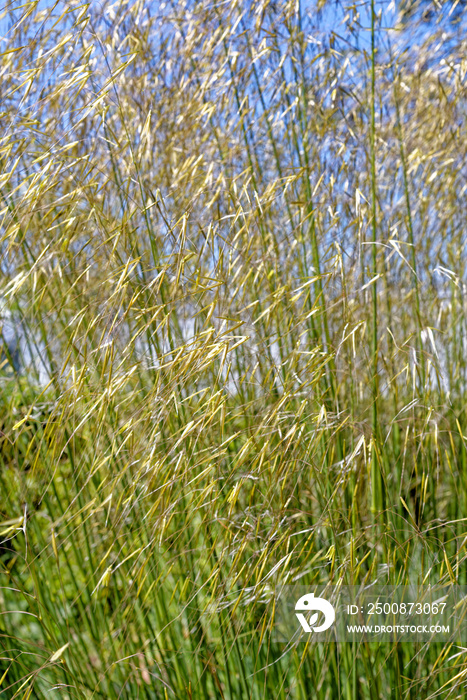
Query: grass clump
(233,303)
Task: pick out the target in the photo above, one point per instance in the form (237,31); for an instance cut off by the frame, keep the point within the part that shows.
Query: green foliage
(232,240)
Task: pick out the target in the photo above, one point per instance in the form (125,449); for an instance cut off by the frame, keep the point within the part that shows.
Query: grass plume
(233,318)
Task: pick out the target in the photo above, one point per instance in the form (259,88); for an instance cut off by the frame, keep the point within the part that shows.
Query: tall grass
(233,283)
